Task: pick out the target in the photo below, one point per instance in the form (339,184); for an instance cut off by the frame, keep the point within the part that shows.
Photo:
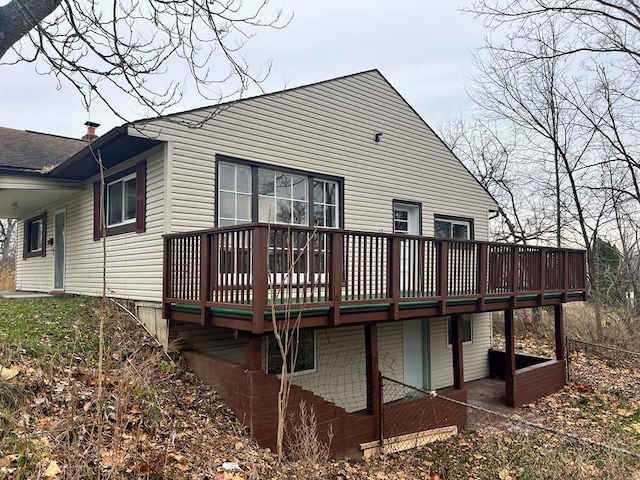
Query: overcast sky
(424,48)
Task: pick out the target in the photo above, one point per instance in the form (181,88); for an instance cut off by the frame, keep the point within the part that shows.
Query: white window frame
(122,221)
(453,222)
(270,215)
(268,339)
(235,220)
(38,236)
(463,318)
(324,204)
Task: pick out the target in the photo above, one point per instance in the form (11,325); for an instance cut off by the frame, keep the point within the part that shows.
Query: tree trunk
(19,17)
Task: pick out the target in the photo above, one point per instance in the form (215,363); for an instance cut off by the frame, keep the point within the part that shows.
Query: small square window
(467,330)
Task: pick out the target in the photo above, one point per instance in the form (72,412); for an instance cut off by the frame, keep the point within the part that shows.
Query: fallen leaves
(9,373)
(8,460)
(52,471)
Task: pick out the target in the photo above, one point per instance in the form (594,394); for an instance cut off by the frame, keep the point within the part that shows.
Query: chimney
(91,131)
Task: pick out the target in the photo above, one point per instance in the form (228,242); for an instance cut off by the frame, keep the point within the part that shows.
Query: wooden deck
(239,277)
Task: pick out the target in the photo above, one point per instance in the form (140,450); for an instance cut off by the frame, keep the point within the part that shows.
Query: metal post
(567,344)
(381,418)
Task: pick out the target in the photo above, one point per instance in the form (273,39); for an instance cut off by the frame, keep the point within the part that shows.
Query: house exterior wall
(341,374)
(327,129)
(134,265)
(35,273)
(475,354)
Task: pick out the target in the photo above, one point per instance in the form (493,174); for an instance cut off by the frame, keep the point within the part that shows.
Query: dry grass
(305,449)
(7,278)
(535,327)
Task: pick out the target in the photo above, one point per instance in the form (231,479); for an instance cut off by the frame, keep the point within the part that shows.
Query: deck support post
(510,359)
(559,329)
(336,266)
(253,360)
(260,277)
(456,344)
(394,276)
(374,385)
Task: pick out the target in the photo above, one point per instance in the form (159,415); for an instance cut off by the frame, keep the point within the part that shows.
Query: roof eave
(111,149)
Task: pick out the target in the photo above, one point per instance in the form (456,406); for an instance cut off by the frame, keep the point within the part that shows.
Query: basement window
(306,358)
(467,330)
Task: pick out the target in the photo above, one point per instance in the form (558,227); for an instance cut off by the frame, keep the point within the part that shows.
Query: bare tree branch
(132,45)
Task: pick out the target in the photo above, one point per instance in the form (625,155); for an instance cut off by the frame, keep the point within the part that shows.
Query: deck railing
(253,268)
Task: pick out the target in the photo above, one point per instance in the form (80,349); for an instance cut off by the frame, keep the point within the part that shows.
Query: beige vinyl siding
(327,129)
(340,374)
(35,273)
(476,356)
(134,265)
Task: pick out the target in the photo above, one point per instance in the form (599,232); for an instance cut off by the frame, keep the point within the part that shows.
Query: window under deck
(241,277)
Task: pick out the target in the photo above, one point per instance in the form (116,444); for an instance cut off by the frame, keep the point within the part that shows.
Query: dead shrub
(303,443)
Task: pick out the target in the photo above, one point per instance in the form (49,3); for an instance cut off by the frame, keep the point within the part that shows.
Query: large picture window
(250,192)
(35,232)
(124,202)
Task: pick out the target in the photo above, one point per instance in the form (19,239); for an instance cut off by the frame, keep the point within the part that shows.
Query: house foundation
(150,314)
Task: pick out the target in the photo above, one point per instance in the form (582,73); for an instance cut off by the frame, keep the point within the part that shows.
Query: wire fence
(591,365)
(468,441)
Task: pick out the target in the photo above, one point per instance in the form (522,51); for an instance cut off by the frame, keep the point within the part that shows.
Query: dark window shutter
(43,250)
(141,196)
(96,211)
(25,240)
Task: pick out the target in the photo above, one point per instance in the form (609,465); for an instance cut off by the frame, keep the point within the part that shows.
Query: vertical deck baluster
(366,266)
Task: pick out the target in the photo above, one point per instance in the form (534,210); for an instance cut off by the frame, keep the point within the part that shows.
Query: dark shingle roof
(22,150)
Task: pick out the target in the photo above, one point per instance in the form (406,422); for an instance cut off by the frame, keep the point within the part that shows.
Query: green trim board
(309,309)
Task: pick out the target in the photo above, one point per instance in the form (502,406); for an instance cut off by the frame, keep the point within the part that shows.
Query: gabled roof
(126,141)
(26,151)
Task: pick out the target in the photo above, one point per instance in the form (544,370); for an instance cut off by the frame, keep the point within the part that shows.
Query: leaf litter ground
(158,420)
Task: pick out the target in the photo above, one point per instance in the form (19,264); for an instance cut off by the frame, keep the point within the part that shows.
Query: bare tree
(286,279)
(564,75)
(524,84)
(610,27)
(7,243)
(105,44)
(491,153)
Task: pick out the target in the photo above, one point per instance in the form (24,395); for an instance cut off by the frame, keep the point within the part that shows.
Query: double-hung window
(121,201)
(325,203)
(234,194)
(124,202)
